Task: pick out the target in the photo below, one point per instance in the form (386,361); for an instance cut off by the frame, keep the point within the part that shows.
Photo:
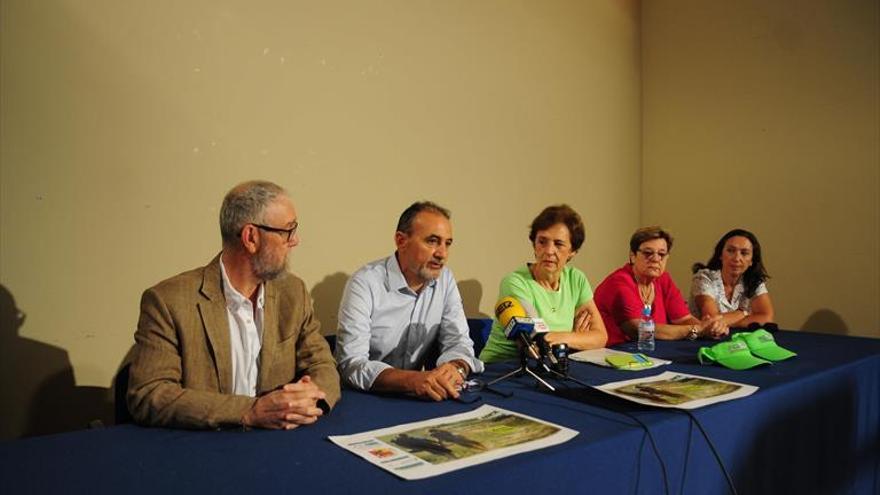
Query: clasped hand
(286,408)
(713,327)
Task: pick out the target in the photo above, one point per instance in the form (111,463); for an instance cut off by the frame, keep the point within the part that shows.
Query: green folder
(629,361)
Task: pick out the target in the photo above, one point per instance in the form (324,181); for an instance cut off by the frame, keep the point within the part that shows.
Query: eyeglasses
(290,232)
(648,254)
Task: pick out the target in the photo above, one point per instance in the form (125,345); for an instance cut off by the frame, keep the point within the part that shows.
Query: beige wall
(124,123)
(765,115)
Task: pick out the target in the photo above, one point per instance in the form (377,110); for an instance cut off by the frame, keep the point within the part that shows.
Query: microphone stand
(524,366)
(561,376)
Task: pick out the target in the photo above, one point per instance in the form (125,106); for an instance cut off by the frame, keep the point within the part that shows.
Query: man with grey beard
(235,343)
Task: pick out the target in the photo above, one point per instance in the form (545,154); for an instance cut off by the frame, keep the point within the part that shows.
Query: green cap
(733,354)
(762,344)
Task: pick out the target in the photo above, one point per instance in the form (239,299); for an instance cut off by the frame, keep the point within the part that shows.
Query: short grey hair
(246,203)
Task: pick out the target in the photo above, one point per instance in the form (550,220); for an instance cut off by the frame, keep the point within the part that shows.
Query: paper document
(678,390)
(436,446)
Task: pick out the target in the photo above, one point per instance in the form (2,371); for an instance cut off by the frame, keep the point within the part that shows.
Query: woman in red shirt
(643,282)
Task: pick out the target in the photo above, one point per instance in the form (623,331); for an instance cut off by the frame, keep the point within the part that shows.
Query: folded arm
(588,329)
(762,310)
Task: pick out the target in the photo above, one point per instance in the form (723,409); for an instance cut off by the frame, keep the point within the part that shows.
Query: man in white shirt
(402,327)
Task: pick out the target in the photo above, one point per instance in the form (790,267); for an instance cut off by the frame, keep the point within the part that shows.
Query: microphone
(520,322)
(557,354)
(519,317)
(540,328)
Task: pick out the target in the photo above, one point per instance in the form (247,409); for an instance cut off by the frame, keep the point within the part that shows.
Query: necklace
(647,294)
(550,292)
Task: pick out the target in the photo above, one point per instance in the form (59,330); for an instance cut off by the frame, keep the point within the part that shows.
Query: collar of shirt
(394,279)
(234,298)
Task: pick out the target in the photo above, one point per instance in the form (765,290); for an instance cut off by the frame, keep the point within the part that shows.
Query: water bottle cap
(646,311)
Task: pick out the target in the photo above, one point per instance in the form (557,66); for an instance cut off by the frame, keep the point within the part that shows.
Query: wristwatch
(694,334)
(461,370)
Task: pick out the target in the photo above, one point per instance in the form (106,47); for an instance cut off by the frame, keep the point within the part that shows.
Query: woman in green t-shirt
(560,294)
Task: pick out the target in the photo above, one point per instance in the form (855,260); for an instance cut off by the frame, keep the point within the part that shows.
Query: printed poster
(436,446)
(678,390)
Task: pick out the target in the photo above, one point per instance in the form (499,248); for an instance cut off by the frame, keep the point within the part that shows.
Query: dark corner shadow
(825,321)
(791,434)
(471,293)
(120,390)
(326,296)
(40,395)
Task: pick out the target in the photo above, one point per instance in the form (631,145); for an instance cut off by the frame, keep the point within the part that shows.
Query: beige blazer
(181,371)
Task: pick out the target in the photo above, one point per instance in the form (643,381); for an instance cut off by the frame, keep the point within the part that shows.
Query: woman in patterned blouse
(731,284)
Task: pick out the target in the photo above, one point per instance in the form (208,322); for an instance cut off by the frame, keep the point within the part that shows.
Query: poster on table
(440,445)
(678,390)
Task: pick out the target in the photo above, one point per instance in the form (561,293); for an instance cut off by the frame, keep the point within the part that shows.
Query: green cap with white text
(733,354)
(762,344)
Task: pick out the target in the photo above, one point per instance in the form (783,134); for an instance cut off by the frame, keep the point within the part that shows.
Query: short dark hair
(246,203)
(645,234)
(754,275)
(404,224)
(563,214)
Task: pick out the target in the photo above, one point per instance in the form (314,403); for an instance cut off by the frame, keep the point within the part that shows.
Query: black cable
(687,458)
(653,447)
(712,448)
(637,420)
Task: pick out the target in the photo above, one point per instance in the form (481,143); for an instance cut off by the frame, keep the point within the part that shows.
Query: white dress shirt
(245,335)
(384,324)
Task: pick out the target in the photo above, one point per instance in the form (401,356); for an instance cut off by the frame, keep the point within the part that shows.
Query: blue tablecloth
(813,427)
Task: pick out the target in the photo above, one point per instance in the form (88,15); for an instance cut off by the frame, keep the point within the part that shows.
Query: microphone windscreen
(540,326)
(507,309)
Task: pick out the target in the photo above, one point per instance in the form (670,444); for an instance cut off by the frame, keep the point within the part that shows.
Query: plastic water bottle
(646,331)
